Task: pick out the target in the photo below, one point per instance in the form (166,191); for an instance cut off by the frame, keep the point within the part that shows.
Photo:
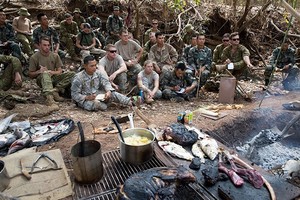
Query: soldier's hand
(90,97)
(112,77)
(18,78)
(107,95)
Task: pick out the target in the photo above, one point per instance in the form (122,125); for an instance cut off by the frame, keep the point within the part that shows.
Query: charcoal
(195,164)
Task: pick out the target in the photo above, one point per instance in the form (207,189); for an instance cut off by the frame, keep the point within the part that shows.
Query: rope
(274,68)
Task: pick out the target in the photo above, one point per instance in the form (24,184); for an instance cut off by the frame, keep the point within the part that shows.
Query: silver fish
(20,143)
(197,151)
(210,147)
(175,150)
(5,122)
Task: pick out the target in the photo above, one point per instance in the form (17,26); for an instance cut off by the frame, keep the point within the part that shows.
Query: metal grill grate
(116,172)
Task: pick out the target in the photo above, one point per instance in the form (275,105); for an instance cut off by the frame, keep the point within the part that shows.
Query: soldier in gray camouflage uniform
(283,60)
(10,72)
(177,85)
(91,82)
(199,60)
(114,24)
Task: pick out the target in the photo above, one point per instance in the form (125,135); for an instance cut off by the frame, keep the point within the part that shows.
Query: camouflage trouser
(99,105)
(69,45)
(121,81)
(13,49)
(7,76)
(204,77)
(165,69)
(168,94)
(60,82)
(112,39)
(132,74)
(27,43)
(95,51)
(292,71)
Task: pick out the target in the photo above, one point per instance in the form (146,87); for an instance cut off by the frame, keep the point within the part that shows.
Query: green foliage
(179,5)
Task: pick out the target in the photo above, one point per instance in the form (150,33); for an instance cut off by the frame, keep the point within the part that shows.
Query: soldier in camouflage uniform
(199,60)
(8,43)
(283,60)
(45,30)
(238,55)
(46,67)
(78,18)
(96,25)
(185,52)
(68,32)
(177,85)
(114,24)
(164,55)
(154,29)
(91,82)
(217,54)
(188,32)
(10,72)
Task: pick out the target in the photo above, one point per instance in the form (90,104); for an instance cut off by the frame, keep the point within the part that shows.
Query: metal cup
(4,178)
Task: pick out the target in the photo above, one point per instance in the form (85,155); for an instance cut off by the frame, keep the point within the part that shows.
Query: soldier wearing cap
(283,60)
(78,18)
(22,25)
(68,32)
(153,29)
(10,72)
(96,25)
(114,24)
(188,31)
(8,43)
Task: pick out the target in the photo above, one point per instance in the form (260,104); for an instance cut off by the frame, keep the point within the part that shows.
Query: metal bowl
(137,154)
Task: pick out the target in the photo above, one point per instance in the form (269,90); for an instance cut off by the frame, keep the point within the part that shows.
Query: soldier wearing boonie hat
(22,25)
(116,8)
(78,18)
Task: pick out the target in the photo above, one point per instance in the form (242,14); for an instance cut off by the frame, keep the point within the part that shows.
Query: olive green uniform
(45,80)
(9,66)
(68,34)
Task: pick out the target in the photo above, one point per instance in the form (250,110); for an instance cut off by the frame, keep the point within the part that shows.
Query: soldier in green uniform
(283,60)
(236,54)
(46,67)
(217,54)
(10,72)
(96,25)
(68,32)
(114,24)
(153,29)
(177,85)
(185,52)
(8,43)
(78,18)
(45,30)
(199,60)
(188,32)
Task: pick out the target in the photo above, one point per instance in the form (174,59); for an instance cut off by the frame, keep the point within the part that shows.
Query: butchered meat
(179,134)
(155,183)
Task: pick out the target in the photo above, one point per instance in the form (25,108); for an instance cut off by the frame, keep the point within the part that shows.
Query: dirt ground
(163,113)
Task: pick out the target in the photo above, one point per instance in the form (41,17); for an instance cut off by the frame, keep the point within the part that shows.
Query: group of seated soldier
(164,74)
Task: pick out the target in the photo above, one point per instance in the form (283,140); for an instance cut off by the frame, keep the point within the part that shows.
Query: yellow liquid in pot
(136,140)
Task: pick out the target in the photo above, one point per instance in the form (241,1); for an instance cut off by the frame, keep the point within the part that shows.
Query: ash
(277,154)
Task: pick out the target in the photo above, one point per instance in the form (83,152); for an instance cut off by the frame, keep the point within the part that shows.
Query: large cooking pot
(136,154)
(87,160)
(4,179)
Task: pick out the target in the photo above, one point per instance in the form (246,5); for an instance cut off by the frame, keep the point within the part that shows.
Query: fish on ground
(197,151)
(4,123)
(210,147)
(175,150)
(20,143)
